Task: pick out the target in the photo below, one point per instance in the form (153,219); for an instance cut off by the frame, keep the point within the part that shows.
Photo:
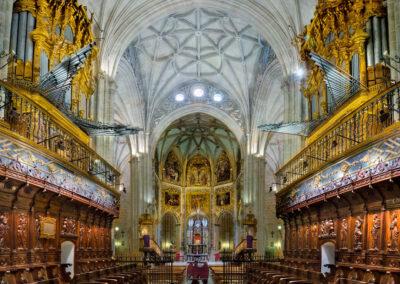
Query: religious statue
(376,225)
(394,234)
(307,237)
(327,229)
(358,234)
(68,226)
(343,233)
(22,231)
(4,226)
(82,229)
(314,235)
(38,242)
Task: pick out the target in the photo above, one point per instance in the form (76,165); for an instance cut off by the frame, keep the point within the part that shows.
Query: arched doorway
(225,231)
(169,231)
(68,256)
(327,256)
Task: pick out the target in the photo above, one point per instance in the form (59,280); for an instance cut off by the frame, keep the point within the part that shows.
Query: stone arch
(196,108)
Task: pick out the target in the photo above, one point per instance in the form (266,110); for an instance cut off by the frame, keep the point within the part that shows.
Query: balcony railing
(27,119)
(356,129)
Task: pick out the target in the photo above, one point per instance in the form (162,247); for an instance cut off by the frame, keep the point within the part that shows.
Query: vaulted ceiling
(155,49)
(198,134)
(200,46)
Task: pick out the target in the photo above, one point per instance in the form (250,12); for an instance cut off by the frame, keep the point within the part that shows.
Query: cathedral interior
(200,141)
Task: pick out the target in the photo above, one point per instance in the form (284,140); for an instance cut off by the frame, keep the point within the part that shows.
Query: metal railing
(235,269)
(358,127)
(159,270)
(34,123)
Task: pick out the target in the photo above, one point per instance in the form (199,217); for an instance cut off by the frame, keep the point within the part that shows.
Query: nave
(199,141)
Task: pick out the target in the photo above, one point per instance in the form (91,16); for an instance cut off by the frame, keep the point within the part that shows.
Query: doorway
(68,256)
(327,256)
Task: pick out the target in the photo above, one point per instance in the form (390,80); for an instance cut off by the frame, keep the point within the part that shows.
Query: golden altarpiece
(197,202)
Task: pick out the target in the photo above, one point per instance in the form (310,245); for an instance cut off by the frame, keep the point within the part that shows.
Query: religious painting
(198,202)
(223,168)
(172,199)
(223,199)
(172,168)
(198,171)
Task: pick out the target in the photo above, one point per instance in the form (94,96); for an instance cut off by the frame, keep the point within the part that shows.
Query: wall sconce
(273,187)
(121,187)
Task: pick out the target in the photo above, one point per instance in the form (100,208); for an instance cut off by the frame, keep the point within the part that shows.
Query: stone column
(134,201)
(106,91)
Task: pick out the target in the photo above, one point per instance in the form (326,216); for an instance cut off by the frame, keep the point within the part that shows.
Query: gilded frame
(45,231)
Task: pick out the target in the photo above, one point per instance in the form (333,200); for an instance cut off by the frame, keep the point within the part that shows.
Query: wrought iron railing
(34,123)
(357,128)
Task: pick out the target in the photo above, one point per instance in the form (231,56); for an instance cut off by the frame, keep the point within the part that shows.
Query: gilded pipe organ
(353,36)
(43,33)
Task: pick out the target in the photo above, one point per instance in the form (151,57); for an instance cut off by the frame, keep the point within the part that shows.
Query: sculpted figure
(343,233)
(394,234)
(21,231)
(376,225)
(323,231)
(358,234)
(330,227)
(3,229)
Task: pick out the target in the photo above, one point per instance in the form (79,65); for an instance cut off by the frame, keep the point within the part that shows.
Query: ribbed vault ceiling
(199,45)
(198,134)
